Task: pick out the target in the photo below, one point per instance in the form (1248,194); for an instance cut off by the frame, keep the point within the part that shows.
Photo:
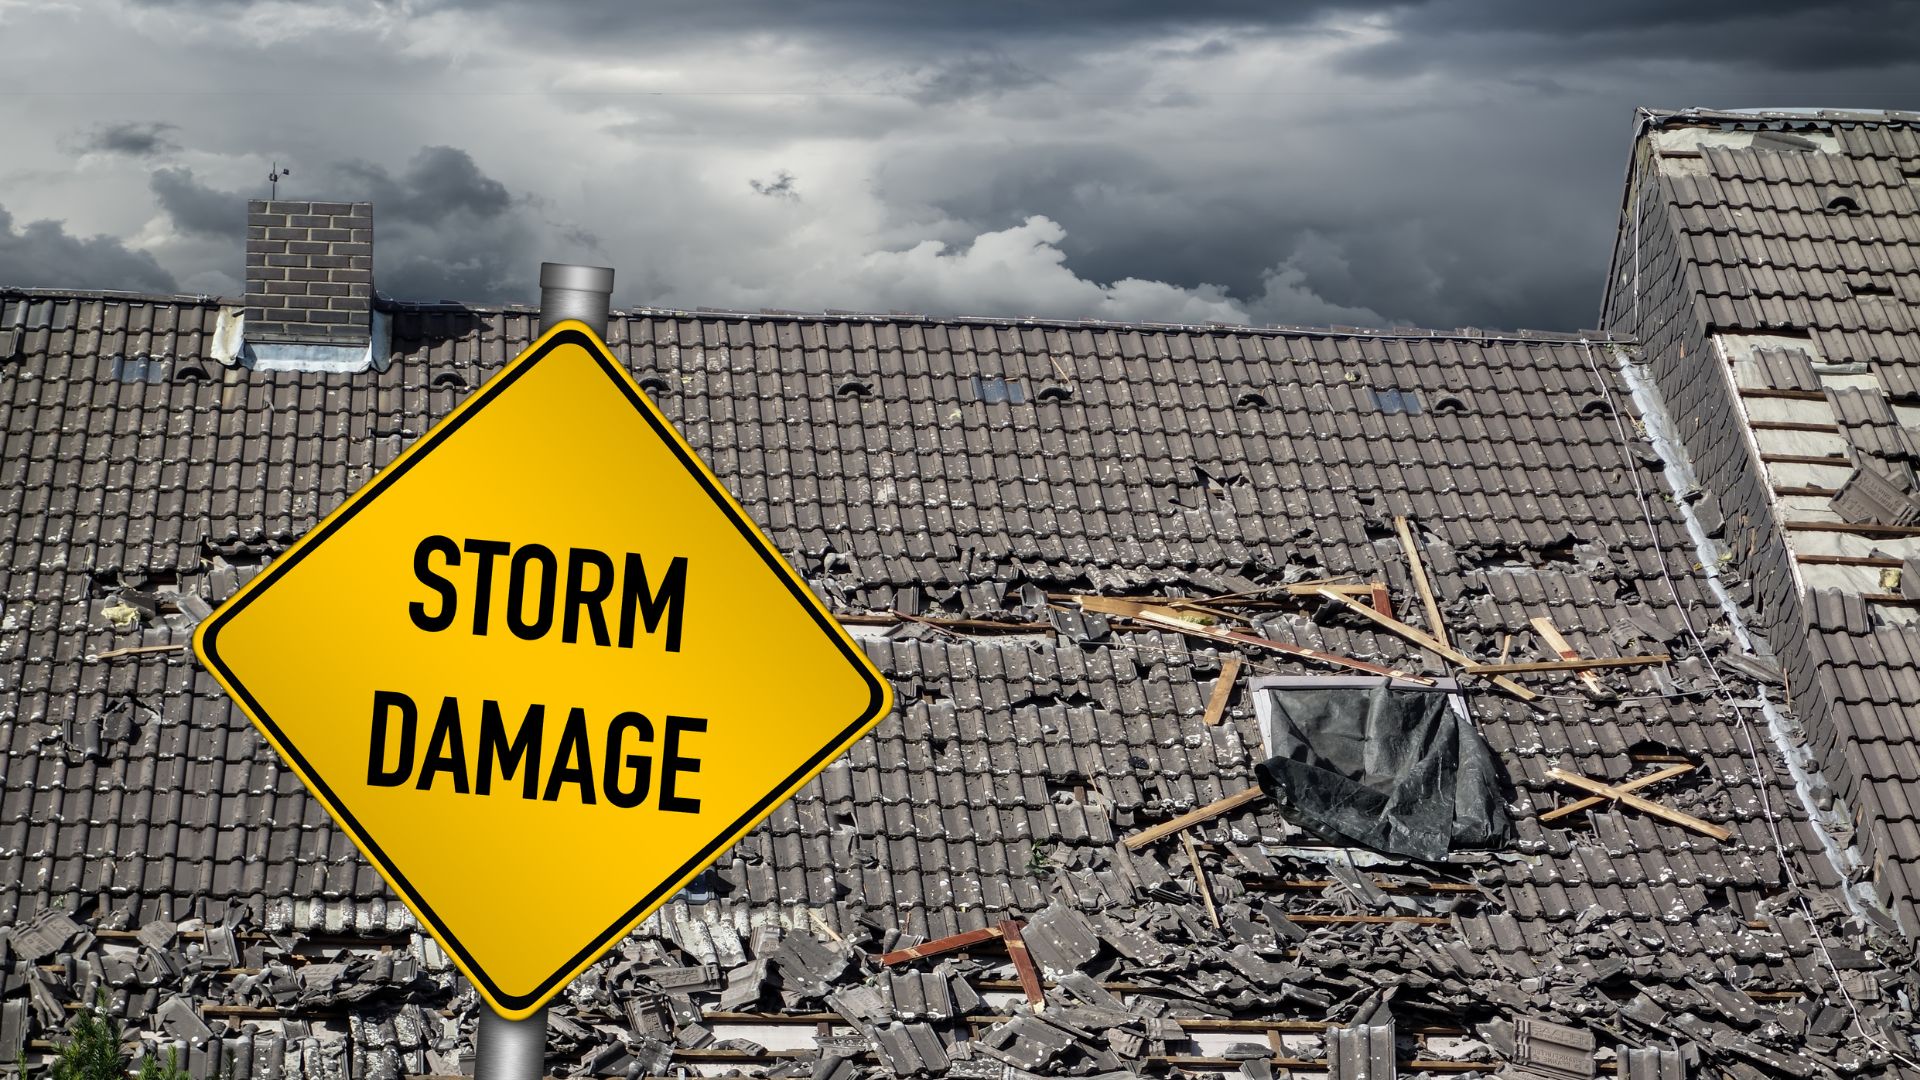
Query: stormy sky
(1441,164)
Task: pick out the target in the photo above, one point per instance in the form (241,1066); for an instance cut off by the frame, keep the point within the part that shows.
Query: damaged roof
(1771,262)
(950,518)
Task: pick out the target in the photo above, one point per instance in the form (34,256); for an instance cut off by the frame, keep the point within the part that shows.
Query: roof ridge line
(428,307)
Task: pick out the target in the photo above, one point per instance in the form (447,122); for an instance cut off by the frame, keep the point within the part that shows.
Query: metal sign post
(517,1049)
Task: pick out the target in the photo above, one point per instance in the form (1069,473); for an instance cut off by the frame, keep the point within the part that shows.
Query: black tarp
(1394,770)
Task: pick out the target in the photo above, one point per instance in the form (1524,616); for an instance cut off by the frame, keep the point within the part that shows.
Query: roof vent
(1253,400)
(1843,204)
(654,384)
(1056,393)
(1449,406)
(139,368)
(1394,400)
(854,388)
(997,388)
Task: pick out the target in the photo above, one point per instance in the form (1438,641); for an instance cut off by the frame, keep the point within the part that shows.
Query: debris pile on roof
(1301,960)
(1064,779)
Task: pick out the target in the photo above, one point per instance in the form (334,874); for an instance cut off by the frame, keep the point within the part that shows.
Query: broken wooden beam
(1168,619)
(1567,665)
(950,943)
(1418,571)
(1636,784)
(1646,806)
(1551,635)
(1427,642)
(1222,690)
(1200,876)
(1023,964)
(142,650)
(1192,817)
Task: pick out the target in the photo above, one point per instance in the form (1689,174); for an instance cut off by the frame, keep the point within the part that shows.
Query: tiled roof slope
(145,480)
(1771,264)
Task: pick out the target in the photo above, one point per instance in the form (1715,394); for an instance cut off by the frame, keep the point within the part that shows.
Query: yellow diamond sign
(543,669)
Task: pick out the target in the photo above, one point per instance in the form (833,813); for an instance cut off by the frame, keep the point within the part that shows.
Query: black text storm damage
(586,600)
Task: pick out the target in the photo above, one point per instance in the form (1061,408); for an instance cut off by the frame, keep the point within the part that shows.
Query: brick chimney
(309,273)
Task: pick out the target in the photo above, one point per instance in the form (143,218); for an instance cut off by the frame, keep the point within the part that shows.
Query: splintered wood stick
(1200,875)
(1418,571)
(142,650)
(1426,641)
(1646,806)
(1222,690)
(951,943)
(1592,801)
(1567,665)
(1023,964)
(1192,817)
(1551,635)
(1169,619)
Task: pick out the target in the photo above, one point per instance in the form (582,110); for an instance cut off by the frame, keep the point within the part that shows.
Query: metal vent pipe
(575,292)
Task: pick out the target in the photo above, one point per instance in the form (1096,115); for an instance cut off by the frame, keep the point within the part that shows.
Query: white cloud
(1022,271)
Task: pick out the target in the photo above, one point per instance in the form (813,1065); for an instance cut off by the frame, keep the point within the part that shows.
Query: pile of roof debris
(1205,976)
(1227,940)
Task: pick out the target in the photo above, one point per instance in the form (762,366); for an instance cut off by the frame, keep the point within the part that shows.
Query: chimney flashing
(375,355)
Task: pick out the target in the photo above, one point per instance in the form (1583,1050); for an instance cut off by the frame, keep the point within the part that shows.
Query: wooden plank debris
(1169,619)
(1418,571)
(1567,665)
(1427,641)
(1200,876)
(1192,817)
(1222,690)
(1023,964)
(1636,784)
(1551,635)
(951,943)
(1646,806)
(1006,931)
(142,650)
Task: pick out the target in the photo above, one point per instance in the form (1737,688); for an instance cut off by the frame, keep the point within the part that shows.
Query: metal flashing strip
(1798,755)
(302,356)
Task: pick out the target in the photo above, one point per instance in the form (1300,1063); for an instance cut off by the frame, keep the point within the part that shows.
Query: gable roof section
(1771,262)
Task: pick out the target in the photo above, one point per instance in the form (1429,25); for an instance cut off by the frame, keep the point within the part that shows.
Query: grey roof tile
(1012,763)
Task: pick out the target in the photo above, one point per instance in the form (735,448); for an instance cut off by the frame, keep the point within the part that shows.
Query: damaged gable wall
(1768,262)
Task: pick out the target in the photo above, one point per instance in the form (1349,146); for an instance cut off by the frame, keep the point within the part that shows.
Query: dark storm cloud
(1836,35)
(915,26)
(440,182)
(443,228)
(984,74)
(780,187)
(198,209)
(132,139)
(1448,163)
(43,254)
